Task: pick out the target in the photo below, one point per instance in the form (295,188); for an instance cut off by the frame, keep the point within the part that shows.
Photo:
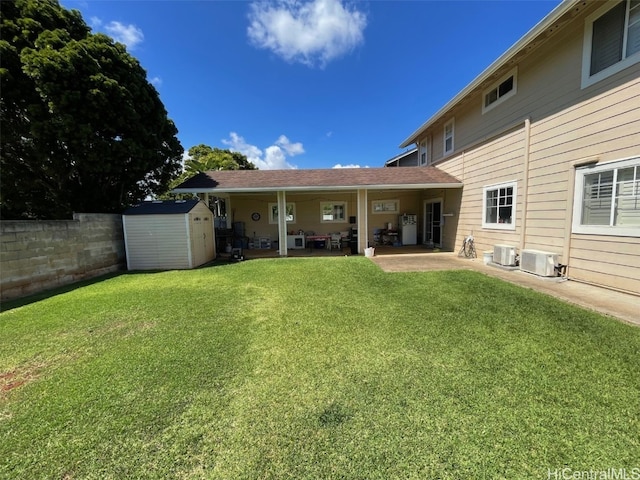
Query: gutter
(539,28)
(418,186)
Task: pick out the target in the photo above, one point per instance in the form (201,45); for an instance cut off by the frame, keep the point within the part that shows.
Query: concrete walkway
(625,307)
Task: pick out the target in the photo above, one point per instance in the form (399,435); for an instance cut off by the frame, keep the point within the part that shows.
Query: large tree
(82,128)
(203,158)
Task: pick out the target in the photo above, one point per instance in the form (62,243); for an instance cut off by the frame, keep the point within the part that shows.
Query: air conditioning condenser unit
(504,255)
(538,262)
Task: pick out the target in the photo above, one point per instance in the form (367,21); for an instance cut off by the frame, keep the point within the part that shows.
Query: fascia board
(417,186)
(541,26)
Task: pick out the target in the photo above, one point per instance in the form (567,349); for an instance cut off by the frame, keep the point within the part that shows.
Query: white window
(607,199)
(499,206)
(291,213)
(448,136)
(333,212)
(385,206)
(500,91)
(611,40)
(423,154)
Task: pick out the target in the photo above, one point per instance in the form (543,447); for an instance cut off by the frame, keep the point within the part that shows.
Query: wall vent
(538,262)
(504,255)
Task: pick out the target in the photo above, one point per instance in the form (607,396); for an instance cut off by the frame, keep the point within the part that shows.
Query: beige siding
(156,242)
(611,261)
(568,124)
(496,161)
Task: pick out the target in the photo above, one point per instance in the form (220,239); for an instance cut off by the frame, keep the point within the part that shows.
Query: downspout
(282,223)
(525,182)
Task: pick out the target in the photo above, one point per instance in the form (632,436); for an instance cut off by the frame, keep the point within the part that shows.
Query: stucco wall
(42,254)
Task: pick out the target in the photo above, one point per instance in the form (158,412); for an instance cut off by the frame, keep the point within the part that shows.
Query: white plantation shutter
(627,210)
(597,198)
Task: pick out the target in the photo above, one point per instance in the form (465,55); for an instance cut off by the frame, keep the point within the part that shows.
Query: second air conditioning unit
(538,262)
(504,255)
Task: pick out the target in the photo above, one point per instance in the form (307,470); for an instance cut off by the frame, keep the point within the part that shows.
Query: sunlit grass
(313,368)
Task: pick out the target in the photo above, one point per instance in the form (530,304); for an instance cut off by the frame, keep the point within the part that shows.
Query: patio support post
(282,223)
(363,221)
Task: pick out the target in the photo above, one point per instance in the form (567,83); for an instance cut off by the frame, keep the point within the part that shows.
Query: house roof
(162,207)
(219,181)
(412,152)
(547,26)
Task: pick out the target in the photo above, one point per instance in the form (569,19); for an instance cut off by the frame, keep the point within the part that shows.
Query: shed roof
(317,179)
(162,207)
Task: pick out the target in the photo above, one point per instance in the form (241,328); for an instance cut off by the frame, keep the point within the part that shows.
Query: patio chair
(336,241)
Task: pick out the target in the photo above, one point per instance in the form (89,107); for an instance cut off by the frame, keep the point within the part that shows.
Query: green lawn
(313,368)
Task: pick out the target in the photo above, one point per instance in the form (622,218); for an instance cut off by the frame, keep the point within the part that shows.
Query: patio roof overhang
(313,180)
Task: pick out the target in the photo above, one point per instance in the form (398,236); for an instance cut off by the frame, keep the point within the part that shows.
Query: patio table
(311,239)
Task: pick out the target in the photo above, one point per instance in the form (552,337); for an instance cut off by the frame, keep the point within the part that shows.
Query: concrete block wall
(37,255)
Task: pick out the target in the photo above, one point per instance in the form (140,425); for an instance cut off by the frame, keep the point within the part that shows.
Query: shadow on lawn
(36,297)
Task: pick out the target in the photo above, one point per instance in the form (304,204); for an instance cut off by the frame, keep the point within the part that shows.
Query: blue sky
(310,84)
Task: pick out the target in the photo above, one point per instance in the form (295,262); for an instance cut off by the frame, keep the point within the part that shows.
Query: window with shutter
(607,199)
(612,40)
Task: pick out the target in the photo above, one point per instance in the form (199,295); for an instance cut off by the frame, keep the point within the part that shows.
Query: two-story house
(547,144)
(541,152)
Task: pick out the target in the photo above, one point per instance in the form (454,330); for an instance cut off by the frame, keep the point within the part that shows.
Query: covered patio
(380,250)
(362,206)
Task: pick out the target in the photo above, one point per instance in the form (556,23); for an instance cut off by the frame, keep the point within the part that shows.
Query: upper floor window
(500,91)
(333,212)
(607,199)
(423,155)
(448,136)
(611,40)
(499,206)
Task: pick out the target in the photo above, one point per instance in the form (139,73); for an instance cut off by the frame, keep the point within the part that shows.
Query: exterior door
(433,223)
(202,242)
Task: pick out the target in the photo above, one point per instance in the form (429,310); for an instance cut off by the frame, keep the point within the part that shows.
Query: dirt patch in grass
(18,377)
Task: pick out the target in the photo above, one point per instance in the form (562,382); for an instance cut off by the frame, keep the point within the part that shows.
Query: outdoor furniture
(336,241)
(311,239)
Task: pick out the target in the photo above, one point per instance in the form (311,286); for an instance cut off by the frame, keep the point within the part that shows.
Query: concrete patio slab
(623,306)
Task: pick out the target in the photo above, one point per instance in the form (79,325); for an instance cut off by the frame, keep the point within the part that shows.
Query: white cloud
(274,157)
(130,35)
(95,23)
(155,81)
(291,148)
(312,32)
(338,165)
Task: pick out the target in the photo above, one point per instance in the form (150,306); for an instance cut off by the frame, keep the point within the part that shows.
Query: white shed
(161,235)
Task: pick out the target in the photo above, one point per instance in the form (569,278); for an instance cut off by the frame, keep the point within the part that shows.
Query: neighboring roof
(162,207)
(544,28)
(317,179)
(412,152)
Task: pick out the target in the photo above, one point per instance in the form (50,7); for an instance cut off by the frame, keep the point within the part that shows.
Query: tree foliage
(82,128)
(203,158)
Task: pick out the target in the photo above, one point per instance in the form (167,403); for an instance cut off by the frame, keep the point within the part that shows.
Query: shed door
(202,240)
